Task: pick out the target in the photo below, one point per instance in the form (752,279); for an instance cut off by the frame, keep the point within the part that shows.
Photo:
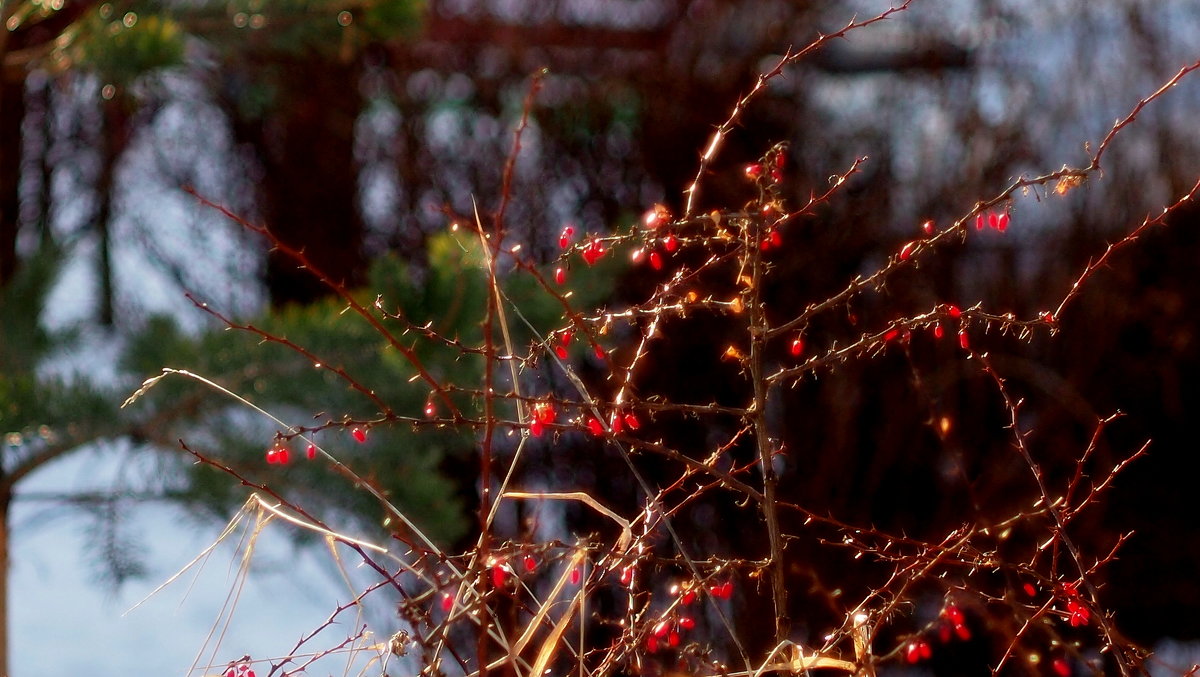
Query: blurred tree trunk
(113,141)
(309,190)
(12,112)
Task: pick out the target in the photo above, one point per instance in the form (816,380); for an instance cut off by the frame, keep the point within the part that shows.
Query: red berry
(672,639)
(564,240)
(1061,667)
(430,409)
(776,175)
(1002,222)
(283,455)
(656,261)
(499,574)
(560,276)
(907,250)
(753,171)
(671,243)
(688,598)
(964,341)
(979,221)
(615,422)
(543,412)
(530,563)
(927,227)
(576,576)
(1048,316)
(954,311)
(891,335)
(938,332)
(359,435)
(726,590)
(594,426)
(963,632)
(627,576)
(311,452)
(954,614)
(797,348)
(632,421)
(993,221)
(561,351)
(593,251)
(661,629)
(1030,590)
(776,238)
(272,456)
(651,644)
(536,428)
(566,337)
(687,622)
(637,255)
(447,602)
(599,351)
(912,653)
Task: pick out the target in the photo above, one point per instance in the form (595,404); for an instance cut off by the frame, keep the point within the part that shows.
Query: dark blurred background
(348,127)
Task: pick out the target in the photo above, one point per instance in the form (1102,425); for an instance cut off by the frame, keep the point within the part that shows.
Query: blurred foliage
(120,49)
(416,467)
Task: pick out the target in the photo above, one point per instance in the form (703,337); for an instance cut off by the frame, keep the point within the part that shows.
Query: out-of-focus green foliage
(416,471)
(120,48)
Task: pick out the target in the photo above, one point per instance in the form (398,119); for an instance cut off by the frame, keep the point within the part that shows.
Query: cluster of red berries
(953,625)
(542,415)
(1078,614)
(239,669)
(281,455)
(770,168)
(666,633)
(996,221)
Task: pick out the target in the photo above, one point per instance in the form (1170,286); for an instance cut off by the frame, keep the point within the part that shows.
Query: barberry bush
(643,496)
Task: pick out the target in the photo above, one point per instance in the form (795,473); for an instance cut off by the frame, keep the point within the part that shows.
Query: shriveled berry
(656,216)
